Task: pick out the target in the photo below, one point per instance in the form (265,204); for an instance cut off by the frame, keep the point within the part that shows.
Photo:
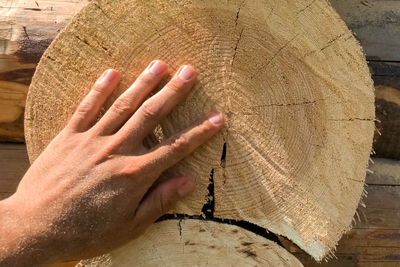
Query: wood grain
(278,122)
(27,28)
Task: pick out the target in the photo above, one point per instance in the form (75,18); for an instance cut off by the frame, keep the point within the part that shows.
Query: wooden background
(28,27)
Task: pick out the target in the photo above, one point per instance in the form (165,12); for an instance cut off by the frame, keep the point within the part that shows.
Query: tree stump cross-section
(289,76)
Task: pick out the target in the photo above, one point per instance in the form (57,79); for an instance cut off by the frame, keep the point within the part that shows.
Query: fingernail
(156,67)
(187,73)
(186,188)
(216,119)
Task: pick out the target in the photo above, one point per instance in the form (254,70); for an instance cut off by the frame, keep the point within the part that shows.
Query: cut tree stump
(190,243)
(373,241)
(290,78)
(28,27)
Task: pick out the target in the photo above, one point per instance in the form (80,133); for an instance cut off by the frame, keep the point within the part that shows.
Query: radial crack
(102,10)
(223,156)
(49,57)
(307,7)
(331,42)
(180,226)
(209,207)
(26,34)
(237,16)
(236,47)
(82,40)
(280,50)
(352,119)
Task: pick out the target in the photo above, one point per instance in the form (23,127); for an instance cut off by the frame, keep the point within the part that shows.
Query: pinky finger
(88,110)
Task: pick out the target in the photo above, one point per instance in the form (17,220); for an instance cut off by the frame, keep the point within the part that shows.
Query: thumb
(162,198)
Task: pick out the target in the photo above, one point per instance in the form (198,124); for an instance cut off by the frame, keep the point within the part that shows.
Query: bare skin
(91,190)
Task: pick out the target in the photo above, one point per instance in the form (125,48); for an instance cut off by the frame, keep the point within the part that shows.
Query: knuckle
(204,129)
(181,144)
(121,105)
(176,86)
(84,107)
(130,171)
(110,146)
(99,87)
(149,110)
(146,80)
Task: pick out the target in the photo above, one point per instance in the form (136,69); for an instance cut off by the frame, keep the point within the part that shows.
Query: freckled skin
(91,190)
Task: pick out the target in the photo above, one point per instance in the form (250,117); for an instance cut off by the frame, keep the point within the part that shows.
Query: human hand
(91,190)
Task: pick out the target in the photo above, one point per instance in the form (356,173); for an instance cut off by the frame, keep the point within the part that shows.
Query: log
(196,243)
(375,233)
(375,238)
(288,112)
(387,143)
(26,30)
(36,23)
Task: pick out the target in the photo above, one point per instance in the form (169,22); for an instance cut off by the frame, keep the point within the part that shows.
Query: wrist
(9,231)
(19,240)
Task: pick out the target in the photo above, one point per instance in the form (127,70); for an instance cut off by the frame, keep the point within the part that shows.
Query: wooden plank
(375,23)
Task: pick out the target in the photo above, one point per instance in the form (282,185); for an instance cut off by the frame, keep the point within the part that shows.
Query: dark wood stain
(248,253)
(30,50)
(23,76)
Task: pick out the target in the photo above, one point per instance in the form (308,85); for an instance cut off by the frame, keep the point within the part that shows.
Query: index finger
(179,146)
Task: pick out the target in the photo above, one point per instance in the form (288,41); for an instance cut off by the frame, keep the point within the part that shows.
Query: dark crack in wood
(248,226)
(352,119)
(223,156)
(49,57)
(209,207)
(307,7)
(280,50)
(180,227)
(32,9)
(26,34)
(82,40)
(237,46)
(237,16)
(102,10)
